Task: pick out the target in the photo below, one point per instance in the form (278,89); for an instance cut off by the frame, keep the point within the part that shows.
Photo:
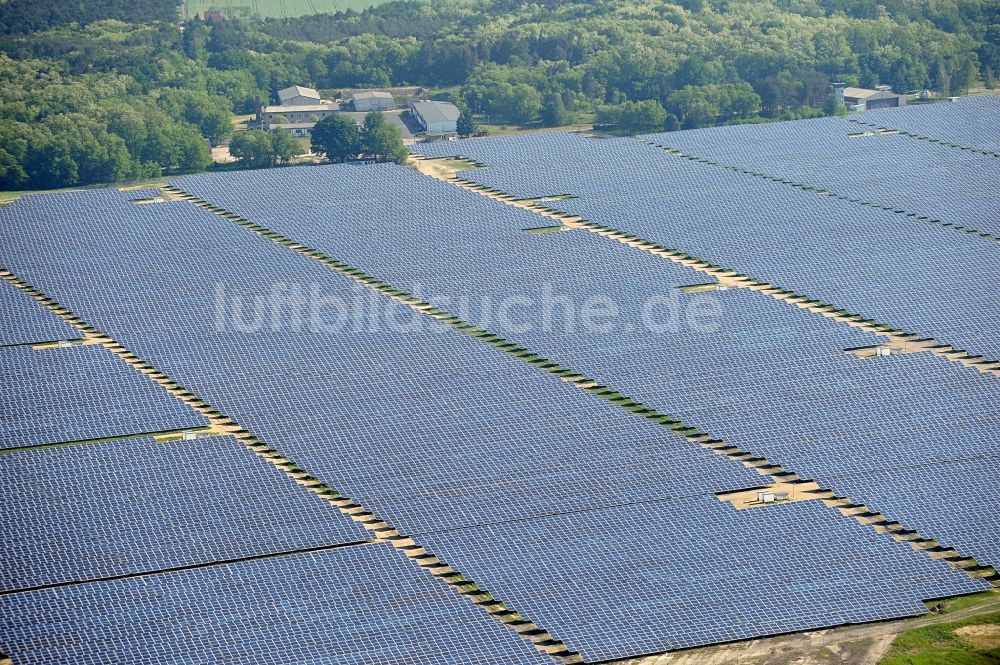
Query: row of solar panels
(25,322)
(968,122)
(360,605)
(919,178)
(125,511)
(736,364)
(764,376)
(924,278)
(437,432)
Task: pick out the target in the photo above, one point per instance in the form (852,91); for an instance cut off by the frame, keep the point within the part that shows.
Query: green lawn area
(239,121)
(276,8)
(9,196)
(585,122)
(974,640)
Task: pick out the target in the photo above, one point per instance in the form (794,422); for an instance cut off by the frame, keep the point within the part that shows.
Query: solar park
(329,414)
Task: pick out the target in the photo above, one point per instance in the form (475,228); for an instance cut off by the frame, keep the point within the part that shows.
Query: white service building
(296,120)
(436,117)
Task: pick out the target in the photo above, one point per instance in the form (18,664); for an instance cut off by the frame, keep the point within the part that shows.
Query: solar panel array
(24,321)
(954,502)
(641,579)
(920,178)
(79,393)
(133,506)
(361,605)
(924,278)
(427,427)
(969,121)
(765,376)
(523,483)
(803,403)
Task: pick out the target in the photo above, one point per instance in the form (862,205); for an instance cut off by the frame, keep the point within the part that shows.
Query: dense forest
(24,16)
(108,91)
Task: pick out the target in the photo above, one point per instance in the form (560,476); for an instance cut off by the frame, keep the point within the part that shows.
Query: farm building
(296,95)
(436,117)
(863,99)
(296,128)
(373,100)
(295,119)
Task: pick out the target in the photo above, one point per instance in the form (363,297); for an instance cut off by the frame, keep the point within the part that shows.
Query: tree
(518,104)
(381,140)
(778,92)
(694,106)
(210,113)
(814,88)
(336,137)
(253,149)
(943,82)
(527,103)
(633,116)
(988,77)
(831,106)
(466,125)
(258,149)
(693,5)
(553,110)
(284,148)
(12,175)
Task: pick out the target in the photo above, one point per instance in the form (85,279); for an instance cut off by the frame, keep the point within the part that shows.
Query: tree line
(25,16)
(105,91)
(702,62)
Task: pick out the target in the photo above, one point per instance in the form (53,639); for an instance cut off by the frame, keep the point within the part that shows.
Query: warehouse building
(863,99)
(373,100)
(298,96)
(436,118)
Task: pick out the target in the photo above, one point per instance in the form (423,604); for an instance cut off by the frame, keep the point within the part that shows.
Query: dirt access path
(850,645)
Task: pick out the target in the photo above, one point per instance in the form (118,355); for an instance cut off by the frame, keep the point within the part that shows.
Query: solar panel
(920,179)
(641,579)
(921,277)
(134,506)
(24,321)
(969,122)
(439,434)
(954,502)
(361,605)
(80,393)
(767,377)
(771,379)
(423,425)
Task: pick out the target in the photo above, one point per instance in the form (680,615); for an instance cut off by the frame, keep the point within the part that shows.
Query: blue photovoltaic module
(919,179)
(25,321)
(634,580)
(953,502)
(967,122)
(763,375)
(767,377)
(79,393)
(359,605)
(123,507)
(924,278)
(449,439)
(425,426)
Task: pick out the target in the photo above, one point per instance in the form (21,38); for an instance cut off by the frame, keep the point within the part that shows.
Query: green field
(275,8)
(971,638)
